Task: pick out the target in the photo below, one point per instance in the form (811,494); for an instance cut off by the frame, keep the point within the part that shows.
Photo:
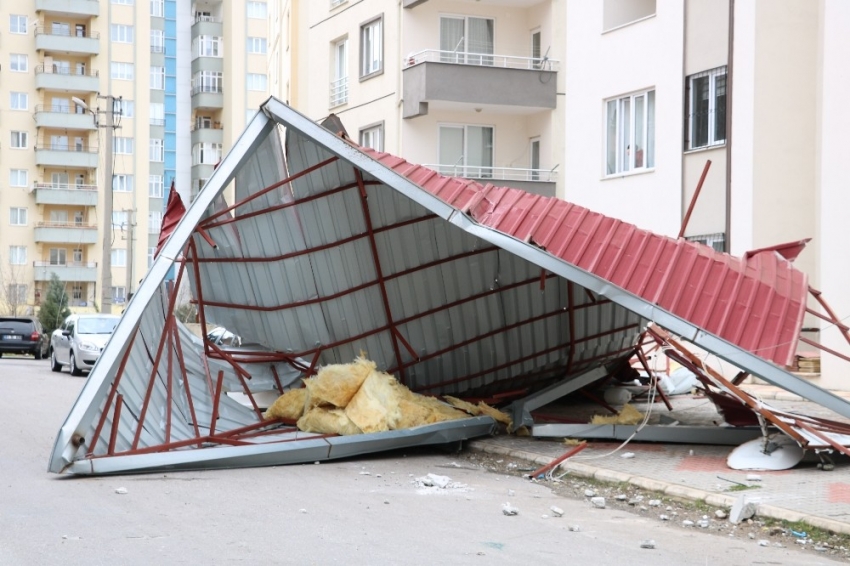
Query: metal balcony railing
(206,126)
(496,173)
(58,224)
(215,89)
(65,71)
(339,92)
(157,121)
(482,59)
(210,19)
(157,48)
(66,264)
(44,30)
(61,109)
(63,187)
(50,146)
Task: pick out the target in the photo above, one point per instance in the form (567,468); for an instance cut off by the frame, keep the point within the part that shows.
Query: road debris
(509,510)
(121,491)
(556,511)
(598,502)
(649,543)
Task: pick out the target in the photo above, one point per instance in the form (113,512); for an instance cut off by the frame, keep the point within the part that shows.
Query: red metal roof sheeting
(756,302)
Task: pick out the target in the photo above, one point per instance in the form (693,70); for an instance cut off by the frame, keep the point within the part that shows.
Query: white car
(80,340)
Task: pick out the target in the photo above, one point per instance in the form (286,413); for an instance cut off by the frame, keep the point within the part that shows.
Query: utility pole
(106,261)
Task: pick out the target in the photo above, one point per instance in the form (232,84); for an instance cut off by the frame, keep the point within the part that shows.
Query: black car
(23,335)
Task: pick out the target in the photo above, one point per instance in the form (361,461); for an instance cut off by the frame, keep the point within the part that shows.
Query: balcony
(459,81)
(207,97)
(65,194)
(536,181)
(85,8)
(339,92)
(207,25)
(207,63)
(65,155)
(69,272)
(209,133)
(66,80)
(63,117)
(83,44)
(64,232)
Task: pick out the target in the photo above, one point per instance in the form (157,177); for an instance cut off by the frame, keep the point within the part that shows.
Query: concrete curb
(668,488)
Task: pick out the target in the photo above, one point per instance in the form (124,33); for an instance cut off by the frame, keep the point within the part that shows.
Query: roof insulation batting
(455,287)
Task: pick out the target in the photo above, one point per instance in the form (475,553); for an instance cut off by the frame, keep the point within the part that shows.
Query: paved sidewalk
(803,493)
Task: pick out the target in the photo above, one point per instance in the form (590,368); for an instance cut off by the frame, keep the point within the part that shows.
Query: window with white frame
(157,78)
(206,153)
(17,24)
(157,8)
(18,177)
(122,183)
(122,71)
(207,46)
(630,133)
(119,219)
(17,255)
(18,216)
(18,101)
(18,63)
(155,186)
(58,256)
(120,33)
(466,150)
(207,81)
(534,158)
(258,10)
(256,81)
(123,107)
(157,150)
(151,256)
(77,291)
(119,257)
(466,40)
(122,145)
(19,140)
(257,45)
(119,295)
(157,41)
(17,293)
(706,94)
(157,111)
(339,79)
(373,137)
(154,222)
(78,255)
(371,47)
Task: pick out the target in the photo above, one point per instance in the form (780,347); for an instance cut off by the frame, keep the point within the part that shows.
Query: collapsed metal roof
(457,288)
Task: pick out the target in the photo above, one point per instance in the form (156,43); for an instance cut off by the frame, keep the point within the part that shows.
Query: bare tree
(14,293)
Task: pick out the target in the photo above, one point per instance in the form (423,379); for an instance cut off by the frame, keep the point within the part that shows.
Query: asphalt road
(352,512)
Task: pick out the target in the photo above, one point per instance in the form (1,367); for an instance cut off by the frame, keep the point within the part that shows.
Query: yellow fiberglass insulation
(627,416)
(462,405)
(336,384)
(327,421)
(376,403)
(290,405)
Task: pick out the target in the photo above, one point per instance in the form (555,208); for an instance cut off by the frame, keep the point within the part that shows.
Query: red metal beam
(112,391)
(824,348)
(694,199)
(116,419)
(193,254)
(830,441)
(216,400)
(152,379)
(833,318)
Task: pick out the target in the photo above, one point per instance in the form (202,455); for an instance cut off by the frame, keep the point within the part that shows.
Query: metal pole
(694,199)
(106,260)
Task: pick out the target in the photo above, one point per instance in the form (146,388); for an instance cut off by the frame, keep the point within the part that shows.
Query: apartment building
(177,100)
(472,89)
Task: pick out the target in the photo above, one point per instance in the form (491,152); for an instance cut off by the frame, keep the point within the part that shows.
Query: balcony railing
(482,59)
(58,224)
(49,146)
(215,89)
(204,126)
(157,48)
(65,71)
(157,121)
(66,264)
(496,173)
(63,187)
(43,30)
(339,92)
(210,19)
(62,109)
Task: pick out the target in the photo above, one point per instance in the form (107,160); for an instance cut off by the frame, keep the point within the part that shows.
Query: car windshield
(96,325)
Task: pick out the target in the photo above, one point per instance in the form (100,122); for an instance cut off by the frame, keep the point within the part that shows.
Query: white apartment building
(181,100)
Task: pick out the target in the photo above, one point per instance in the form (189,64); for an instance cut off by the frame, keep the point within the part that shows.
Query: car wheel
(37,353)
(75,371)
(54,364)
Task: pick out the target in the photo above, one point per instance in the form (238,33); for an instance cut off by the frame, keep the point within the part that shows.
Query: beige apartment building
(181,78)
(613,104)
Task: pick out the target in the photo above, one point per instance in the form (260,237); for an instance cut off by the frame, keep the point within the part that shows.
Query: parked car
(23,335)
(80,340)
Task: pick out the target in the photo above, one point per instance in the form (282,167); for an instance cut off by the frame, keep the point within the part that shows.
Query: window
(155,186)
(258,10)
(466,151)
(18,216)
(256,81)
(339,81)
(616,13)
(151,256)
(716,241)
(122,146)
(18,63)
(123,107)
(77,291)
(18,255)
(373,137)
(18,101)
(154,222)
(157,78)
(534,158)
(78,255)
(371,48)
(122,183)
(17,293)
(630,133)
(536,49)
(157,8)
(157,110)
(206,153)
(119,219)
(156,151)
(119,258)
(207,46)
(706,94)
(466,40)
(119,295)
(257,45)
(121,34)
(18,178)
(18,24)
(206,81)
(122,71)
(19,140)
(58,256)
(59,217)
(157,41)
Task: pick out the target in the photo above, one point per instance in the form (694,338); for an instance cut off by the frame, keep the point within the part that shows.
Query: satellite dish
(783,453)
